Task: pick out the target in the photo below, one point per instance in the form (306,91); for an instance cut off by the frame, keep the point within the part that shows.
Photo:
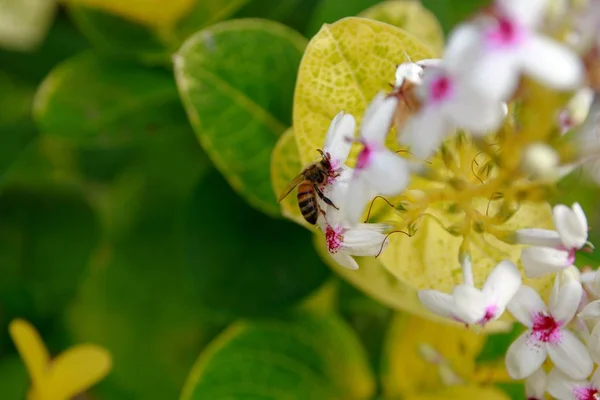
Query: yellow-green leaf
(429,259)
(411,16)
(301,357)
(285,165)
(154,13)
(471,392)
(344,66)
(237,93)
(453,350)
(24,23)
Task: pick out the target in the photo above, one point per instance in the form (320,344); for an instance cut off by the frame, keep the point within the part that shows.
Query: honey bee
(308,182)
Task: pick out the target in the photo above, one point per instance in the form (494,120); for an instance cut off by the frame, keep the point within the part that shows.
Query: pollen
(334,238)
(546,328)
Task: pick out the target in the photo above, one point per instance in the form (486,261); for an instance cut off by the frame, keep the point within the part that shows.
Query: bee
(308,182)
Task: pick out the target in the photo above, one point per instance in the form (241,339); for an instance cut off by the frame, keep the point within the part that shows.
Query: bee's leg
(325,199)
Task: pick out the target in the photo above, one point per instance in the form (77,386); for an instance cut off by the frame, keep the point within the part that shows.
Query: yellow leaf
(429,259)
(405,369)
(464,393)
(411,16)
(156,13)
(32,350)
(285,165)
(344,66)
(77,369)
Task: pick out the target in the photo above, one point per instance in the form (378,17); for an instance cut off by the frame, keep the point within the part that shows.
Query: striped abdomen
(307,201)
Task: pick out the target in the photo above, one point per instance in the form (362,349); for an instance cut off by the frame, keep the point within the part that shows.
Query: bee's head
(325,159)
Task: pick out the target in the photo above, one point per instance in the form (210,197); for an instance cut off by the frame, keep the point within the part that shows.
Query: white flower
(548,334)
(473,306)
(562,387)
(378,170)
(495,49)
(412,72)
(593,343)
(553,251)
(362,240)
(447,104)
(338,143)
(338,140)
(576,110)
(535,385)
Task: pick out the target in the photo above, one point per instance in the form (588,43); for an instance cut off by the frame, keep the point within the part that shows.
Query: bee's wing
(299,178)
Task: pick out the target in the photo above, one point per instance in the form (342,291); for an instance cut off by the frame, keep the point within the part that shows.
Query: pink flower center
(571,255)
(334,238)
(585,393)
(441,89)
(490,314)
(505,33)
(365,157)
(546,329)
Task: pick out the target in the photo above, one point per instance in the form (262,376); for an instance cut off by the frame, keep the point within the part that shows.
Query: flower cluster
(485,94)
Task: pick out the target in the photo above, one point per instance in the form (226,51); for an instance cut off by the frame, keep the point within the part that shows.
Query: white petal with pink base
(554,251)
(548,335)
(470,305)
(378,170)
(562,387)
(500,46)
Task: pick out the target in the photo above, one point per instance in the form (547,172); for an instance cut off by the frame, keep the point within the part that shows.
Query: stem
(467,270)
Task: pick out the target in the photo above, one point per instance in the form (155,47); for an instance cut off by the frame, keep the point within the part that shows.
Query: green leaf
(293,13)
(329,11)
(122,104)
(302,357)
(138,303)
(451,13)
(13,378)
(46,238)
(115,35)
(129,31)
(242,262)
(238,94)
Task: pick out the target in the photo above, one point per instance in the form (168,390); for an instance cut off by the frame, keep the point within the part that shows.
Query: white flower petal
(595,379)
(408,71)
(571,356)
(524,356)
(591,310)
(562,387)
(358,195)
(580,215)
(344,260)
(496,74)
(525,12)
(339,138)
(593,343)
(462,48)
(438,302)
(570,227)
(363,242)
(470,303)
(538,237)
(552,63)
(424,132)
(535,385)
(473,112)
(336,192)
(388,173)
(378,118)
(540,261)
(502,283)
(564,306)
(525,303)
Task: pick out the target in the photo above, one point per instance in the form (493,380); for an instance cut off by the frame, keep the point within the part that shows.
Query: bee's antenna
(386,238)
(373,201)
(321,152)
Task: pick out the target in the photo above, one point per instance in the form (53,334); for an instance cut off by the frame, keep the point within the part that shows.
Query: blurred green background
(129,223)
